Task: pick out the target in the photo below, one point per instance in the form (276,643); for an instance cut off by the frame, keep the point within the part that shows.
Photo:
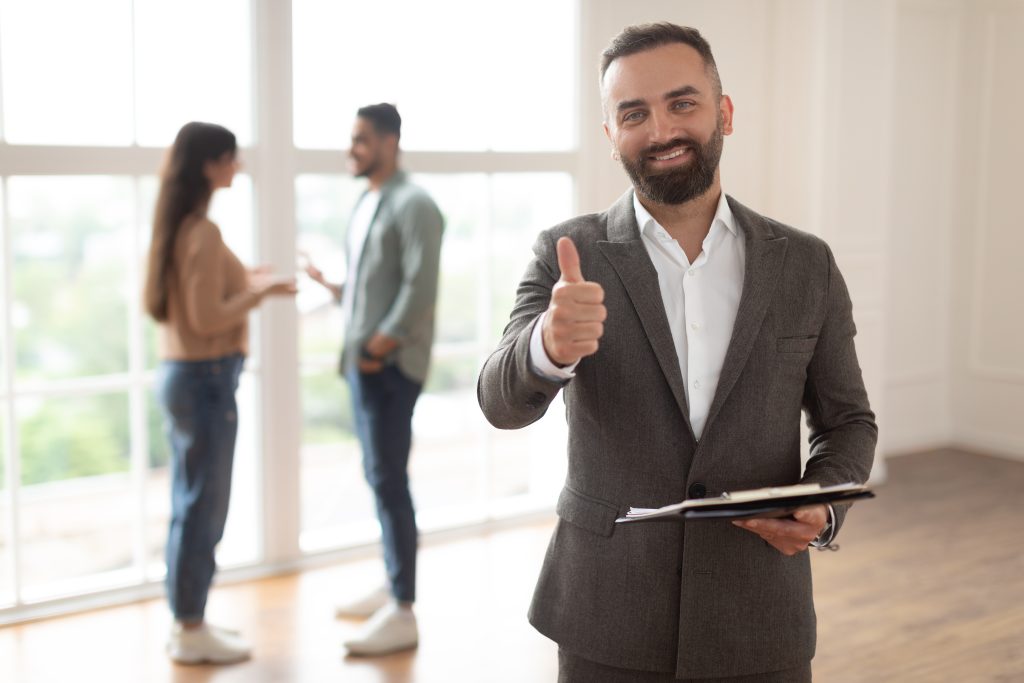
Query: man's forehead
(362,126)
(653,73)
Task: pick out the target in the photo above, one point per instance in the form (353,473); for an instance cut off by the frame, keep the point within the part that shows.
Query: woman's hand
(265,283)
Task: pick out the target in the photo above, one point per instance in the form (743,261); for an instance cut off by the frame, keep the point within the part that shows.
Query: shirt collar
(723,214)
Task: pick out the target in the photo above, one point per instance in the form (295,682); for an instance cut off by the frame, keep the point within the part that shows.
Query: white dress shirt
(700,298)
(358,229)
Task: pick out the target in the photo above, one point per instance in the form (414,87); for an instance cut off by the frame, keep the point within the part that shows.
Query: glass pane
(231,209)
(463,200)
(240,544)
(337,507)
(76,507)
(523,204)
(3,298)
(447,465)
(6,580)
(526,461)
(322,204)
(465,90)
(209,79)
(70,274)
(67,71)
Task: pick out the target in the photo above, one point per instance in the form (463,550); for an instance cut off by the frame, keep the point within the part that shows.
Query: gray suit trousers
(573,669)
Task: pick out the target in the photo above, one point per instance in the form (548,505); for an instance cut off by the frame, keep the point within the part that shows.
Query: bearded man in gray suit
(688,333)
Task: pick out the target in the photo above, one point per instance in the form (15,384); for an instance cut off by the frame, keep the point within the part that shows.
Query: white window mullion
(274,182)
(137,398)
(13,464)
(483,332)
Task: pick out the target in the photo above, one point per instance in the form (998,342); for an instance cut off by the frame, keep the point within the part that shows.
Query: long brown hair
(184,188)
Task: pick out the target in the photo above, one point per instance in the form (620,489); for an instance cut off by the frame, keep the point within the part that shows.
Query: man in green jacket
(388,301)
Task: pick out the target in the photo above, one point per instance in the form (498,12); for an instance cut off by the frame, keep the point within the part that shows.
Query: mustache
(671,145)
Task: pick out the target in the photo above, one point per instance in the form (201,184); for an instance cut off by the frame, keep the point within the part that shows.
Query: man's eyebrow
(682,92)
(629,104)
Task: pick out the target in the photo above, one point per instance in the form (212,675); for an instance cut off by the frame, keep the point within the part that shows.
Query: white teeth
(673,155)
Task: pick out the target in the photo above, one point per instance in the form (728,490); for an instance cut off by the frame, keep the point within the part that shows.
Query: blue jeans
(383,403)
(198,400)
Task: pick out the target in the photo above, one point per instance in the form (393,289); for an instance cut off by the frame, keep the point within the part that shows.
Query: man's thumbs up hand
(575,318)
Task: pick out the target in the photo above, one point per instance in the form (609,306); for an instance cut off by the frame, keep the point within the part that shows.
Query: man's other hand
(789,536)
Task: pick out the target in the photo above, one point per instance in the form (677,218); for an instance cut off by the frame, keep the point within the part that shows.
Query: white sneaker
(391,629)
(366,606)
(206,644)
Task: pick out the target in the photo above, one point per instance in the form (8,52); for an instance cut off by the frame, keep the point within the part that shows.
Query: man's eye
(682,105)
(633,116)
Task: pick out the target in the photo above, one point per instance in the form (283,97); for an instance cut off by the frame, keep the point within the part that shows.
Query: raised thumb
(569,261)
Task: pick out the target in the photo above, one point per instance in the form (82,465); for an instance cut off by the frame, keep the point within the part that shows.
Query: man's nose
(663,127)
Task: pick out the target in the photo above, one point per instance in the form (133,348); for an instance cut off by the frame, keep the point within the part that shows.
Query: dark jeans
(383,403)
(198,400)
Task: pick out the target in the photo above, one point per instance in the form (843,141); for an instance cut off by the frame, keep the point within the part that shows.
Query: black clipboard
(778,501)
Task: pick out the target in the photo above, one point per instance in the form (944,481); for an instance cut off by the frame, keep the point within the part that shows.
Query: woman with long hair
(200,294)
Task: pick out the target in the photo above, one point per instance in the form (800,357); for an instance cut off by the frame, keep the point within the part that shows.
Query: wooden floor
(928,587)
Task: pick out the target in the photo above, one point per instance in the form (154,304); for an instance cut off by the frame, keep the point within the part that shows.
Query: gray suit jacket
(705,599)
(396,283)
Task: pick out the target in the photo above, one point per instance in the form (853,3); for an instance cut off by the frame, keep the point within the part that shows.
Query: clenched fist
(575,317)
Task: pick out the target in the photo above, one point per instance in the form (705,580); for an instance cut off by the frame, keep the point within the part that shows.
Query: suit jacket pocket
(796,344)
(586,512)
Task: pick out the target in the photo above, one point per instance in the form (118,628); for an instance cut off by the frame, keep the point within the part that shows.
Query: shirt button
(695,326)
(696,384)
(691,272)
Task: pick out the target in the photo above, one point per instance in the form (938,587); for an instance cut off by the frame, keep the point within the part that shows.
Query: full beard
(678,185)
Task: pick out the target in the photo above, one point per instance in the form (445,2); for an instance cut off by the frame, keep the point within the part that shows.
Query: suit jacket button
(697,490)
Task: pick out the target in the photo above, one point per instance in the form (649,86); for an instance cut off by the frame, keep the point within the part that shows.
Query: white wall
(892,129)
(988,236)
(924,178)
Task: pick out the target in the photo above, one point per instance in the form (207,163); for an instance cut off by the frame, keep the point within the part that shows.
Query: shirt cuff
(827,534)
(539,361)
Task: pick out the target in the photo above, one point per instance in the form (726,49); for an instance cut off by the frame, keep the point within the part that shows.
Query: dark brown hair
(384,117)
(643,37)
(184,189)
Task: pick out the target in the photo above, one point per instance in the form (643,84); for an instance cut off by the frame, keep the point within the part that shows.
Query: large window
(489,130)
(84,489)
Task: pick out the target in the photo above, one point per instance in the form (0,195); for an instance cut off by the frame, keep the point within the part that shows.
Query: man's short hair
(384,117)
(644,37)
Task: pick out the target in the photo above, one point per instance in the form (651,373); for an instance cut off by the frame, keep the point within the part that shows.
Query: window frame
(273,161)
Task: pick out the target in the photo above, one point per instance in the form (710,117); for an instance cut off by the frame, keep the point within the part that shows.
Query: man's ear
(608,134)
(726,109)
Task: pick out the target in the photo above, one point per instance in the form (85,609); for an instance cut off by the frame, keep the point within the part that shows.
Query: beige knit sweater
(208,297)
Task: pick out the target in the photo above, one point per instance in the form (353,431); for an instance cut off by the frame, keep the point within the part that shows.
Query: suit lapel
(764,258)
(628,257)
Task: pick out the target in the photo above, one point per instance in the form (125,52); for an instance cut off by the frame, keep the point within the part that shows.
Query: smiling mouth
(671,155)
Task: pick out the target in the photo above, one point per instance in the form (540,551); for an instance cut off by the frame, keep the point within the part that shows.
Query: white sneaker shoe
(366,606)
(391,629)
(206,644)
